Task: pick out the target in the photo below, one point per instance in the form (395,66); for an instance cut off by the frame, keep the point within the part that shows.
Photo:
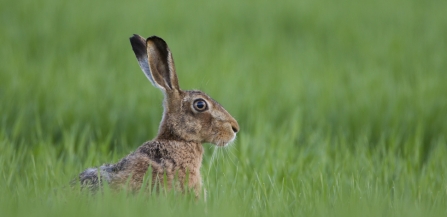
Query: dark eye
(200,105)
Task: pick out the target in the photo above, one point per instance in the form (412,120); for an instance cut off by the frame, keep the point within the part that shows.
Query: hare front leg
(190,180)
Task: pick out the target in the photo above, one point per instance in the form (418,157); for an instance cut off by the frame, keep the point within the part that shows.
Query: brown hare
(190,118)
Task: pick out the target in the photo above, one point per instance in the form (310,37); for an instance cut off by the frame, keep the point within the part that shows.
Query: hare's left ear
(156,61)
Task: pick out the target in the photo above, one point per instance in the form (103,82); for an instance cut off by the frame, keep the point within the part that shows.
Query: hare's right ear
(156,61)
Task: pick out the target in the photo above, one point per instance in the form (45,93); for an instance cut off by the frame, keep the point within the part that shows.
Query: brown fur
(176,152)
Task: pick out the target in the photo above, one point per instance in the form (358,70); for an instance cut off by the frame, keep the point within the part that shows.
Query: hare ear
(155,59)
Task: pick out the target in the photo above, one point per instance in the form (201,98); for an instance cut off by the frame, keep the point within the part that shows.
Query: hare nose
(235,127)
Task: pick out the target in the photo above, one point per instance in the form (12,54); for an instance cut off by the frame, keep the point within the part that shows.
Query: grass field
(342,104)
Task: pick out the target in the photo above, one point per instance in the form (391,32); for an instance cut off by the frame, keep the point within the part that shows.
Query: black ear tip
(159,43)
(155,38)
(135,39)
(138,45)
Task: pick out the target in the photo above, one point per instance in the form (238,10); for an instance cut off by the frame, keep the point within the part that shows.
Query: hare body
(190,118)
(168,159)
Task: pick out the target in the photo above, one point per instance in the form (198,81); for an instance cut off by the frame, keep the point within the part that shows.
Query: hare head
(190,115)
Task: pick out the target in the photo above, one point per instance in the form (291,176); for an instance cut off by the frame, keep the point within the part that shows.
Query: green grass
(342,104)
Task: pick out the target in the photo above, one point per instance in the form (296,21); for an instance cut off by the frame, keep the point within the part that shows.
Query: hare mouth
(222,143)
(231,140)
(226,143)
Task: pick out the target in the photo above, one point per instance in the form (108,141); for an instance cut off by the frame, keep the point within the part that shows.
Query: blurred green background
(342,104)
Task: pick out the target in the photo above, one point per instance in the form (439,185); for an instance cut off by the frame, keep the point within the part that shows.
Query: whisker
(213,157)
(231,156)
